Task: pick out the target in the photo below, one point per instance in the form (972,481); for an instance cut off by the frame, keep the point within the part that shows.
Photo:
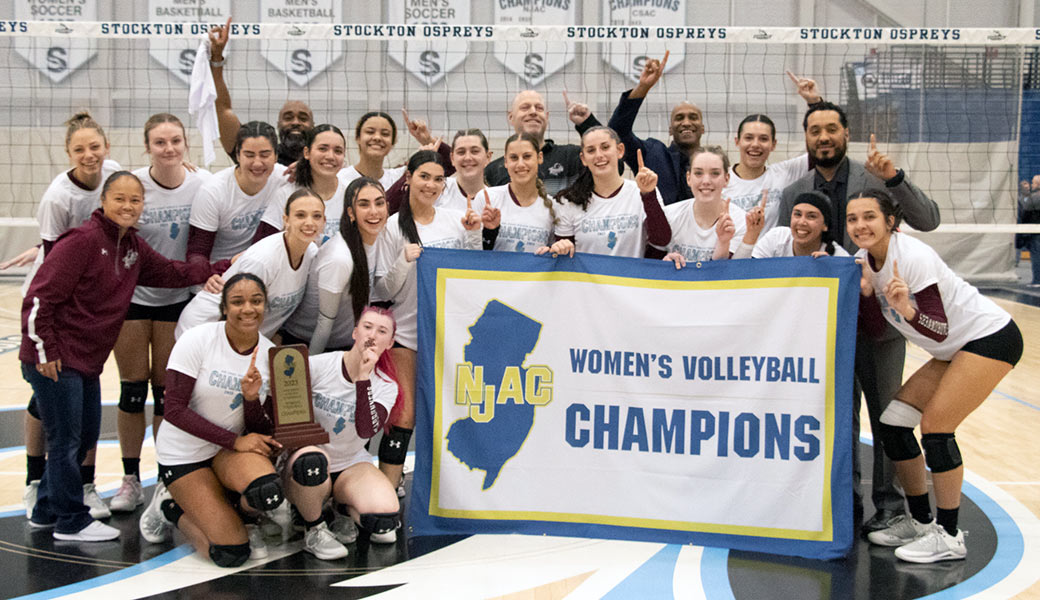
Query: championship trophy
(294,425)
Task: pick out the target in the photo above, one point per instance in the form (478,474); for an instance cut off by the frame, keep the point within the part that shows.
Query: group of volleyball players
(309,250)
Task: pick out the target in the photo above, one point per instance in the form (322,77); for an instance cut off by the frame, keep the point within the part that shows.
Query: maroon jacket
(78,299)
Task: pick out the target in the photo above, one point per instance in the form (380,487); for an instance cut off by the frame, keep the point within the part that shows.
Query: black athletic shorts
(172,473)
(1005,345)
(167,314)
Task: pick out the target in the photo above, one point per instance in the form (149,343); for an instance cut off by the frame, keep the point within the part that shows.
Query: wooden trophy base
(300,435)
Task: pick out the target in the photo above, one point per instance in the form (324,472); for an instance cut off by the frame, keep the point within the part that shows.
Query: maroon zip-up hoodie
(78,299)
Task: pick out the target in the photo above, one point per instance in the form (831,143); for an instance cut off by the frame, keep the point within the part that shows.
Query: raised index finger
(566,100)
(895,268)
(765,196)
(404,111)
(664,61)
(873,143)
(469,204)
(252,361)
(793,77)
(639,158)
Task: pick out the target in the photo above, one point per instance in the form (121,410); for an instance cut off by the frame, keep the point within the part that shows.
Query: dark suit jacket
(666,161)
(919,211)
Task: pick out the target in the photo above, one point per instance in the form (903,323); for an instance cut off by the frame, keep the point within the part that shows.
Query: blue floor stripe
(1010,548)
(151,564)
(715,574)
(653,579)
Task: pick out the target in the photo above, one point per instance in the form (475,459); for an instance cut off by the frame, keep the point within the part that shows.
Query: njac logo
(500,392)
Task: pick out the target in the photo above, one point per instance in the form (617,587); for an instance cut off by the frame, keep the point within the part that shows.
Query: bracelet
(217,63)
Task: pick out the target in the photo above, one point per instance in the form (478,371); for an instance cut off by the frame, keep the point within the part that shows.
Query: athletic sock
(947,517)
(920,510)
(86,473)
(132,466)
(34,467)
(315,522)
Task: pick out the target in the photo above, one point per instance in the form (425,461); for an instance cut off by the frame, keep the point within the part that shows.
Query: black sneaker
(882,519)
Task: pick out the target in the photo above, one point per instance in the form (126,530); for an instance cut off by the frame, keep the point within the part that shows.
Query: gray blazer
(919,211)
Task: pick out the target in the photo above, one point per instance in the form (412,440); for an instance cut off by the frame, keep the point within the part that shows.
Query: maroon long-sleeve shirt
(78,299)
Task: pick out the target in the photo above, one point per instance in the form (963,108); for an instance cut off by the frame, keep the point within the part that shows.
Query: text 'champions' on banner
(622,398)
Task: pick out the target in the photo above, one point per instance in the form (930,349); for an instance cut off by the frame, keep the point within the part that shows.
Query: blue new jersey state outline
(460,439)
(838,275)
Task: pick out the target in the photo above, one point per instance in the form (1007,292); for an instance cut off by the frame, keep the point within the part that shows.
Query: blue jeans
(71,412)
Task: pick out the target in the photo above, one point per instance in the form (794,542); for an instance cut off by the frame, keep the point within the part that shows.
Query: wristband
(217,63)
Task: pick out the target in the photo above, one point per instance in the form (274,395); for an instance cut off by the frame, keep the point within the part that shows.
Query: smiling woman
(65,342)
(280,261)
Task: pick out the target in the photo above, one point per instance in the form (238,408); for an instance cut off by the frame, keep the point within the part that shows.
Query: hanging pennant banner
(535,60)
(300,60)
(178,55)
(629,57)
(56,57)
(430,61)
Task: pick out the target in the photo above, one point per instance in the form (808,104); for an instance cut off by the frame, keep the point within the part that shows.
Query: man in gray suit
(879,362)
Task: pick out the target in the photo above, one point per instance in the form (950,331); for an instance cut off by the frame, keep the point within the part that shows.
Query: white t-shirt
(206,354)
(453,198)
(268,259)
(390,176)
(611,226)
(223,207)
(747,193)
(445,231)
(778,241)
(693,242)
(66,205)
(969,314)
(330,272)
(523,228)
(333,211)
(335,400)
(164,225)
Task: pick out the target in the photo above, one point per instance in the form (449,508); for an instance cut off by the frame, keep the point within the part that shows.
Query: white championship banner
(622,398)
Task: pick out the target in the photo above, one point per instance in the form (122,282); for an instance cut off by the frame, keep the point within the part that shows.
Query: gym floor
(1001,512)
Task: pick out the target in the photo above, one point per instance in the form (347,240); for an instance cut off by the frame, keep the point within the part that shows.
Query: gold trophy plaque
(294,425)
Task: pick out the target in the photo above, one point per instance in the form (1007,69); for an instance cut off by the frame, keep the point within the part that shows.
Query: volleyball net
(953,107)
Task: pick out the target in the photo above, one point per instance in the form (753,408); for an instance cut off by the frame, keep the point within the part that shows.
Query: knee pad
(898,442)
(171,510)
(132,395)
(941,452)
(310,469)
(379,522)
(34,408)
(394,446)
(264,493)
(901,414)
(158,395)
(229,556)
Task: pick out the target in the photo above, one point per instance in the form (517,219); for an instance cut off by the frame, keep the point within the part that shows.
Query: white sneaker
(95,532)
(904,530)
(129,496)
(257,545)
(153,524)
(282,517)
(29,497)
(344,529)
(322,543)
(384,538)
(934,546)
(98,509)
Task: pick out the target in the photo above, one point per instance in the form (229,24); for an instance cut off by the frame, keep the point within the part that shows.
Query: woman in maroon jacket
(71,317)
